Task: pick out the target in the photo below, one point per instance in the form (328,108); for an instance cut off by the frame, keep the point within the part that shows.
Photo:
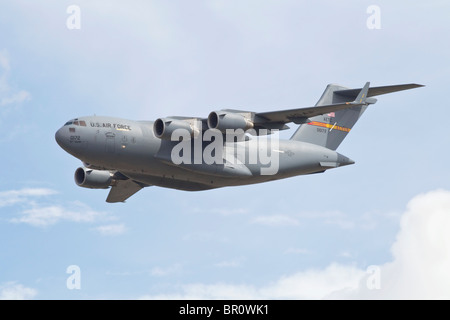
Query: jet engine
(225,120)
(163,128)
(94,179)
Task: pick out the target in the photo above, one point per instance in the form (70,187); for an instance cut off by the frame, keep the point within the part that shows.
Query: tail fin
(329,130)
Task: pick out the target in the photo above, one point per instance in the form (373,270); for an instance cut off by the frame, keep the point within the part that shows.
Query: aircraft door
(110,142)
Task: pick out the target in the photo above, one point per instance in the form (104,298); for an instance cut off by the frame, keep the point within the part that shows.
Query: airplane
(228,148)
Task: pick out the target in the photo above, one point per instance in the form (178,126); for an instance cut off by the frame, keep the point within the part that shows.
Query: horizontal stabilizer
(376,91)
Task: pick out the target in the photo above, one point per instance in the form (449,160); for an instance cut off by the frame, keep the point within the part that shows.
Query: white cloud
(14,291)
(345,254)
(201,292)
(9,95)
(12,197)
(111,229)
(49,215)
(162,272)
(17,97)
(39,215)
(314,284)
(276,220)
(310,284)
(419,269)
(421,264)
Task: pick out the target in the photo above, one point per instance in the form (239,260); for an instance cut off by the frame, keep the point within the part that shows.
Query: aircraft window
(76,123)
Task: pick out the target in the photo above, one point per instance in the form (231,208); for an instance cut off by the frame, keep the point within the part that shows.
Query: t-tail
(329,130)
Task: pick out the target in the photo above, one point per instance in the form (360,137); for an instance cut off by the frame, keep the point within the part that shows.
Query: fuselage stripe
(329,126)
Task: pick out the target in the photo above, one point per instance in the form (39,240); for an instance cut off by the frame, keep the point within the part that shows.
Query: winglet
(362,96)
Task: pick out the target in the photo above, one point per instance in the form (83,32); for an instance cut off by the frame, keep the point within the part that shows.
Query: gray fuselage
(131,148)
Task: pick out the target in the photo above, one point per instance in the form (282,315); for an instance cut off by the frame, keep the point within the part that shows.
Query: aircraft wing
(123,190)
(301,115)
(355,97)
(344,98)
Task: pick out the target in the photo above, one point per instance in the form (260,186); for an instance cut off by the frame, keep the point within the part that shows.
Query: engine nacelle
(94,179)
(163,128)
(224,120)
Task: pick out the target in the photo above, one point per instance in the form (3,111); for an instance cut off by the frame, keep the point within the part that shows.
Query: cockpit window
(76,123)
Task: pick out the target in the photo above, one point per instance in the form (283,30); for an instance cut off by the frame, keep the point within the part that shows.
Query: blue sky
(303,237)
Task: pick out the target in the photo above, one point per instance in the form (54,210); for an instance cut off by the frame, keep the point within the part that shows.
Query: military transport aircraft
(229,148)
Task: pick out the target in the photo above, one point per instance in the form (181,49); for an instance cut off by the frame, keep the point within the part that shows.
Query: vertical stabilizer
(329,130)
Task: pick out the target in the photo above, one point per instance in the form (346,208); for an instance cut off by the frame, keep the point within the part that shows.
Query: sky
(377,229)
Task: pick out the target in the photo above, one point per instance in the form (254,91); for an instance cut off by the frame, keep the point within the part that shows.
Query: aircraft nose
(71,140)
(61,137)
